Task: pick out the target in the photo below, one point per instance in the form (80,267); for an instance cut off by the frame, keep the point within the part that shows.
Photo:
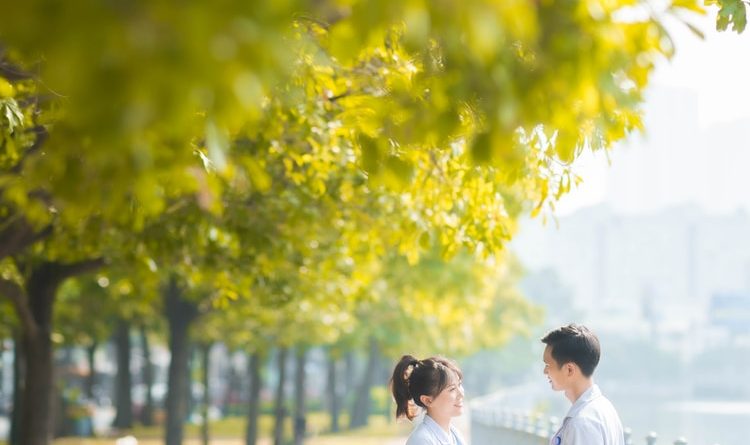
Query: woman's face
(450,401)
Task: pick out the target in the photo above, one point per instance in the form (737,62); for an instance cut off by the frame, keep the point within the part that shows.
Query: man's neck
(578,388)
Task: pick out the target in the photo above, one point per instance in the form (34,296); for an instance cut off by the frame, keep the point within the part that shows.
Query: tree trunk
(278,428)
(253,411)
(36,407)
(333,394)
(180,314)
(124,381)
(147,414)
(34,307)
(361,408)
(299,397)
(18,373)
(206,402)
(91,378)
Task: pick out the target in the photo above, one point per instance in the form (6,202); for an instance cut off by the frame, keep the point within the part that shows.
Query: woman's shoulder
(457,434)
(420,436)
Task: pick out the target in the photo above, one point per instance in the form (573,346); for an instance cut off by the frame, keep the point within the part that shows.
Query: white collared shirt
(592,420)
(428,432)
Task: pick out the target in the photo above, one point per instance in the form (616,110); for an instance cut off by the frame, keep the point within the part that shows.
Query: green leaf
(740,18)
(734,12)
(372,153)
(481,148)
(13,115)
(402,170)
(695,30)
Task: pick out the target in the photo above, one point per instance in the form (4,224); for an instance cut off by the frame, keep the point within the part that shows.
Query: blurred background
(660,234)
(651,250)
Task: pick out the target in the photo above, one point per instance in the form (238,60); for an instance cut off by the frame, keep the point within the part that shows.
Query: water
(670,412)
(701,422)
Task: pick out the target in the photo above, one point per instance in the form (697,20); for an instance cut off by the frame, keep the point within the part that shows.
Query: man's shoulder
(597,422)
(597,412)
(600,406)
(589,431)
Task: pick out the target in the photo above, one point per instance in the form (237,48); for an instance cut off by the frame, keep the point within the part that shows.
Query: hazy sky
(695,148)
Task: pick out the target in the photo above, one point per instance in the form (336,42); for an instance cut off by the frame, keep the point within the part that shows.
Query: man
(570,357)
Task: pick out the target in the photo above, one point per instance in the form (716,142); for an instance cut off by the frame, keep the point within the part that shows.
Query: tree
(476,108)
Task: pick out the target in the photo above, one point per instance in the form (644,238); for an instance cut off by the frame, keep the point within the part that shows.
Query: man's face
(555,373)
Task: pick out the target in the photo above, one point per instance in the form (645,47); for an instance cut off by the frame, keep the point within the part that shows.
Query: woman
(434,384)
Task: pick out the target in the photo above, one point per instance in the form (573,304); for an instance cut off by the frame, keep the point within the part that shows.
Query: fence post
(507,418)
(530,422)
(496,417)
(516,427)
(541,426)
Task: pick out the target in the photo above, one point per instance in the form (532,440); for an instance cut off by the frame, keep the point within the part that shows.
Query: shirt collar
(437,431)
(590,394)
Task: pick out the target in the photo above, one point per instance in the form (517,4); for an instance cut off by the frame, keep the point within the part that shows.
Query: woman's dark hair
(414,378)
(574,343)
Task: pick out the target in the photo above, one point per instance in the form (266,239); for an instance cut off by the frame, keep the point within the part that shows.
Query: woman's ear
(426,400)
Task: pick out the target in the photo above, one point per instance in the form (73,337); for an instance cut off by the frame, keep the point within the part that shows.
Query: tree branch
(13,73)
(17,296)
(80,267)
(41,136)
(17,234)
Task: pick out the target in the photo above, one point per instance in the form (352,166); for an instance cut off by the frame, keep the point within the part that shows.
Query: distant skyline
(696,147)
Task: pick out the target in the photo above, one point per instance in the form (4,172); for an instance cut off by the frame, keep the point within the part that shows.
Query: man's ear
(426,400)
(570,368)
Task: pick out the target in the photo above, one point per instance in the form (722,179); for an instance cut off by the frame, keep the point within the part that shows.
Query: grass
(230,431)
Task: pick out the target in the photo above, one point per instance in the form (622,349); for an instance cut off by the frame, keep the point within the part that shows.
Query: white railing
(492,426)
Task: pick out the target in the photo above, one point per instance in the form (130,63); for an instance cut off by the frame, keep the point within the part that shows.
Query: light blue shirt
(430,433)
(592,420)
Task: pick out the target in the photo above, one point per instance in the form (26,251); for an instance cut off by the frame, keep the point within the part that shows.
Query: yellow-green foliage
(277,152)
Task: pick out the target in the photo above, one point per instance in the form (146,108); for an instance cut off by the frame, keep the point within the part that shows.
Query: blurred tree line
(291,174)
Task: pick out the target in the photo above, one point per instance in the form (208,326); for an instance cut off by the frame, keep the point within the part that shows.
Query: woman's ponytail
(400,386)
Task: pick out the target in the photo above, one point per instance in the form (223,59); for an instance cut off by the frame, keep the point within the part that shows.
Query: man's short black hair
(574,343)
